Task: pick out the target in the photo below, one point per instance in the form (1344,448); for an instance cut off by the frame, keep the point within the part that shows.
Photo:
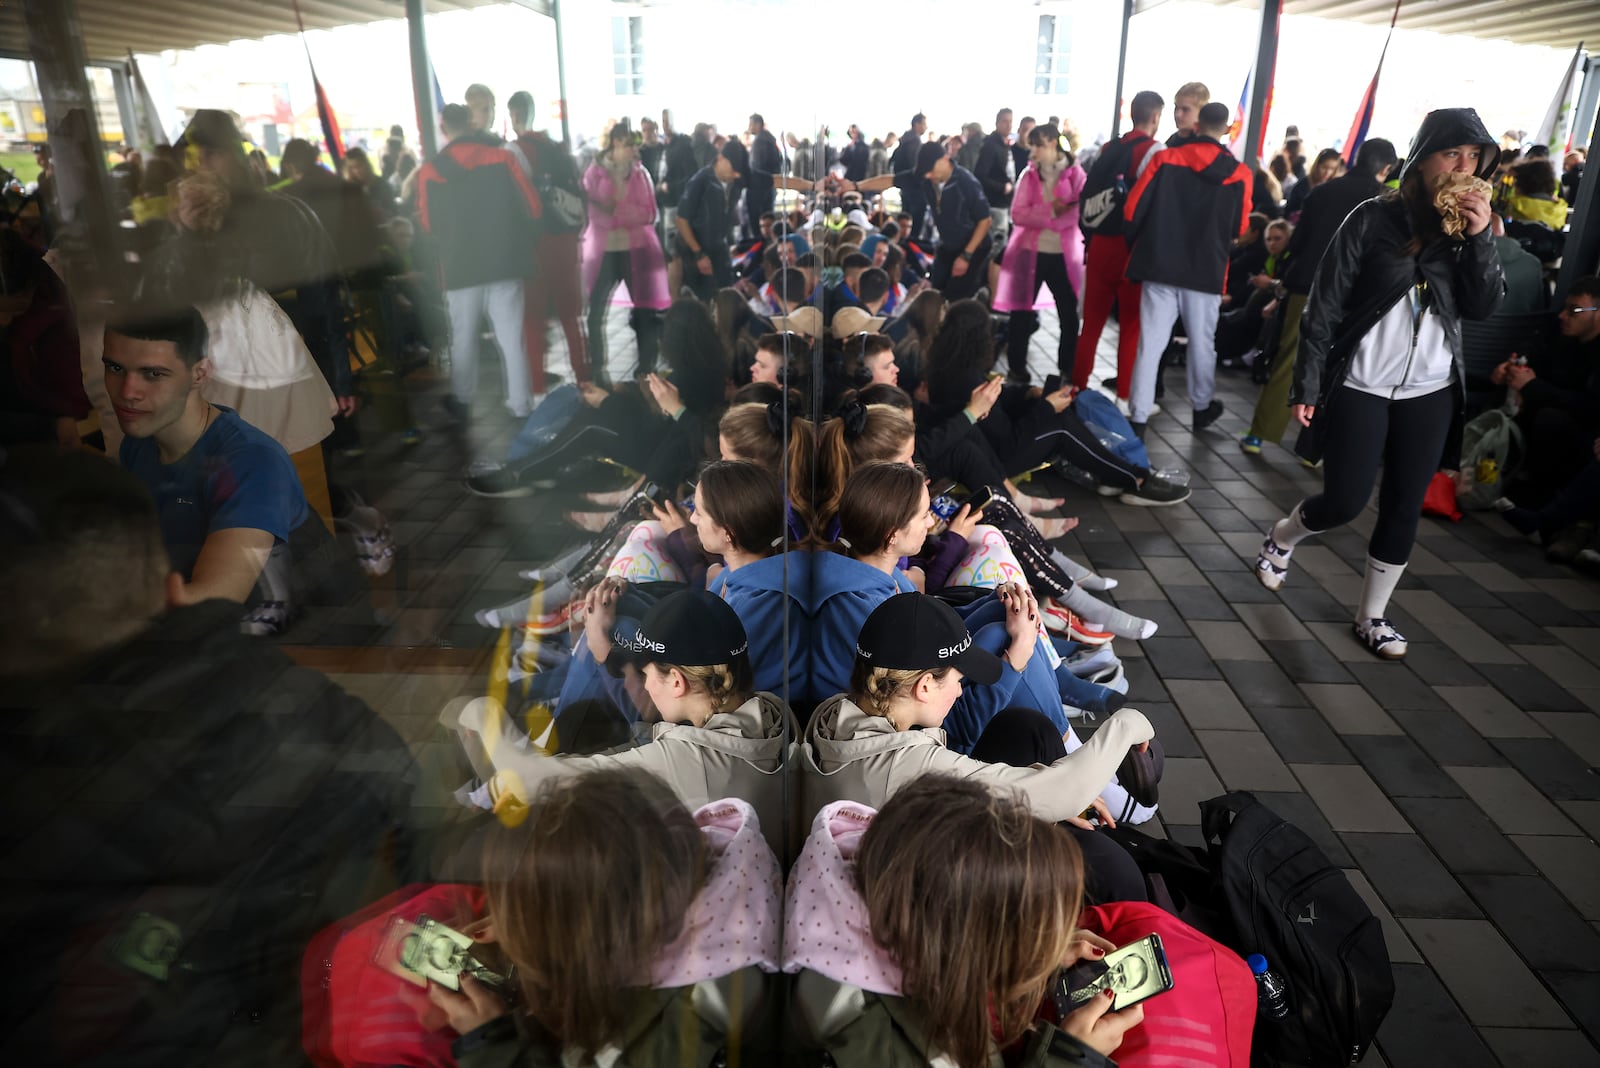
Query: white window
(627,54)
(1053,56)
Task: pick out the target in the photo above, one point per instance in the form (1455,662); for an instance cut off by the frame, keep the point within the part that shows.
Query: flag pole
(1369,100)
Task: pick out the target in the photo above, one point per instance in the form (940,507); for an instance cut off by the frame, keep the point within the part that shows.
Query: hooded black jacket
(1326,207)
(1366,270)
(1183,216)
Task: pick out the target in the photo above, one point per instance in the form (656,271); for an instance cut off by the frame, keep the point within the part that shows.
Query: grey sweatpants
(1159,307)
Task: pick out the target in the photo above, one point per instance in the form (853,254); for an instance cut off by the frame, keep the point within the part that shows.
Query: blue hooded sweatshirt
(756,593)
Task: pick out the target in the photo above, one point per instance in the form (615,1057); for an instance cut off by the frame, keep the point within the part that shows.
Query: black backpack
(1288,902)
(1262,886)
(560,189)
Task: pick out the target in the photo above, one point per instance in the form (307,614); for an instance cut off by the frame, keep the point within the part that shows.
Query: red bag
(353,1012)
(1441,498)
(1208,1015)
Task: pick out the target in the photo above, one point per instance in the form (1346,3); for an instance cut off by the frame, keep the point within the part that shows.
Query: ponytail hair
(860,434)
(728,685)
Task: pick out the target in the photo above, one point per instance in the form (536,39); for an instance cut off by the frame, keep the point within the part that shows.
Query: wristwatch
(964,254)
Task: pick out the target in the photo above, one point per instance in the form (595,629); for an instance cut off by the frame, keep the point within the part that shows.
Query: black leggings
(615,269)
(1407,438)
(1050,269)
(1031,435)
(1022,737)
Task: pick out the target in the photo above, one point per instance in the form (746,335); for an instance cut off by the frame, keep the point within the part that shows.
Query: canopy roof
(1556,23)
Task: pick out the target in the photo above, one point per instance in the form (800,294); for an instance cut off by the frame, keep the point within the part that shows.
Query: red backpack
(356,1014)
(1208,1015)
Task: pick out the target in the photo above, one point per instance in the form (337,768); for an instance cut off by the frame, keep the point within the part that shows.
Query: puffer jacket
(1366,271)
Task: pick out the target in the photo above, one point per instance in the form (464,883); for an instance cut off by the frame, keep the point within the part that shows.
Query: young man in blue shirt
(228,496)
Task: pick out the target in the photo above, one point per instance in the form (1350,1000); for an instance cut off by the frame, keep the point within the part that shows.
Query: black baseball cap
(736,154)
(915,632)
(927,156)
(690,628)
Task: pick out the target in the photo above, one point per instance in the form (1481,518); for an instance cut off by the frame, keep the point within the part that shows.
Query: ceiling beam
(1471,14)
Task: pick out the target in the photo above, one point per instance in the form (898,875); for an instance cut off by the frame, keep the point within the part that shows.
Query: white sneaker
(1380,636)
(1272,564)
(1091,660)
(1112,678)
(266,620)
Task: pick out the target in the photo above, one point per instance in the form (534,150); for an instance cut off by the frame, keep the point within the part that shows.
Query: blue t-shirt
(234,476)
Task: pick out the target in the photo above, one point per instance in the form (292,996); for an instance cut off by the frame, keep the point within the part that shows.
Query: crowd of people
(819,625)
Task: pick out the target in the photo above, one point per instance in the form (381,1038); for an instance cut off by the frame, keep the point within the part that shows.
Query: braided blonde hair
(875,687)
(721,682)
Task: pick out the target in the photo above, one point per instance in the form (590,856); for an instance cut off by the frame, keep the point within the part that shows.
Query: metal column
(1583,117)
(1581,255)
(124,90)
(1261,77)
(85,225)
(1122,66)
(422,78)
(561,72)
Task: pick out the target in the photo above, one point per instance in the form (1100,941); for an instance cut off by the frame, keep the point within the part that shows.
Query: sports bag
(1287,901)
(1208,1014)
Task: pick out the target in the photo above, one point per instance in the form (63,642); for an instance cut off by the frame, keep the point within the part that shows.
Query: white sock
(1118,622)
(1292,530)
(1376,589)
(1080,574)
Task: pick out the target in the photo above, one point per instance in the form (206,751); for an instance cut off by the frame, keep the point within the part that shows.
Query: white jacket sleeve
(1061,790)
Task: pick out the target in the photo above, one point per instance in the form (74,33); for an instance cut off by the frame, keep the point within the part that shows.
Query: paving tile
(1143,683)
(1274,621)
(1135,585)
(1513,628)
(1426,1028)
(1576,634)
(1438,665)
(1544,610)
(1301,736)
(1555,769)
(1578,594)
(1495,578)
(1395,938)
(1579,730)
(1395,685)
(1337,638)
(1177,740)
(1185,782)
(1410,878)
(1566,666)
(1532,690)
(1307,661)
(1228,640)
(1462,836)
(1245,760)
(1212,557)
(1579,992)
(1447,738)
(1349,798)
(1349,709)
(1179,658)
(1114,555)
(1490,713)
(1586,814)
(1475,644)
(1463,592)
(1209,705)
(1302,811)
(1548,932)
(1401,767)
(1241,587)
(1511,801)
(1175,570)
(1312,604)
(1199,603)
(1167,618)
(1484,974)
(1517,1046)
(1571,865)
(1260,684)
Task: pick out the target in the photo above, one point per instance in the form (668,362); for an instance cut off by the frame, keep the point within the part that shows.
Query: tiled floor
(1457,788)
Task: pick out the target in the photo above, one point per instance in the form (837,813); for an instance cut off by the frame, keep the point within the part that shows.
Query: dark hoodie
(1368,268)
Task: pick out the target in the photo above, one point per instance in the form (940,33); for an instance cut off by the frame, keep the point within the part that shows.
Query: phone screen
(1052,384)
(1136,971)
(980,500)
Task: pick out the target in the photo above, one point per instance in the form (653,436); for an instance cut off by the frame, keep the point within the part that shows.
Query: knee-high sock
(1292,530)
(1080,574)
(1376,589)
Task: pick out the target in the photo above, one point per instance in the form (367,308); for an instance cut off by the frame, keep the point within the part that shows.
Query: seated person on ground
(227,494)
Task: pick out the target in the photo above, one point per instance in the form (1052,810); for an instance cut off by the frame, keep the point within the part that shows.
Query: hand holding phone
(1131,974)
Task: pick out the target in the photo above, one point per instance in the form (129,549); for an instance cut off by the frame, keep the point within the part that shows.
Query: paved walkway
(1458,788)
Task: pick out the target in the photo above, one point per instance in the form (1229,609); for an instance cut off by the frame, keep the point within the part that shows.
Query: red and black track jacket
(1183,216)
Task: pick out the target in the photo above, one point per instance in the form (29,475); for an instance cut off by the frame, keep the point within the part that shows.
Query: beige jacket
(736,754)
(852,756)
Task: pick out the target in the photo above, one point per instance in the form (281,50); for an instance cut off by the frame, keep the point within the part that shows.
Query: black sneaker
(1138,429)
(1204,417)
(497,481)
(1155,492)
(1109,384)
(1568,542)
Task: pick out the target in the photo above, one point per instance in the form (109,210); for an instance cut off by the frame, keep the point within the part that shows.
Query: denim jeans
(545,422)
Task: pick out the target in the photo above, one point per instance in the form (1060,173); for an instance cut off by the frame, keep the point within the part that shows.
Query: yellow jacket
(1553,213)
